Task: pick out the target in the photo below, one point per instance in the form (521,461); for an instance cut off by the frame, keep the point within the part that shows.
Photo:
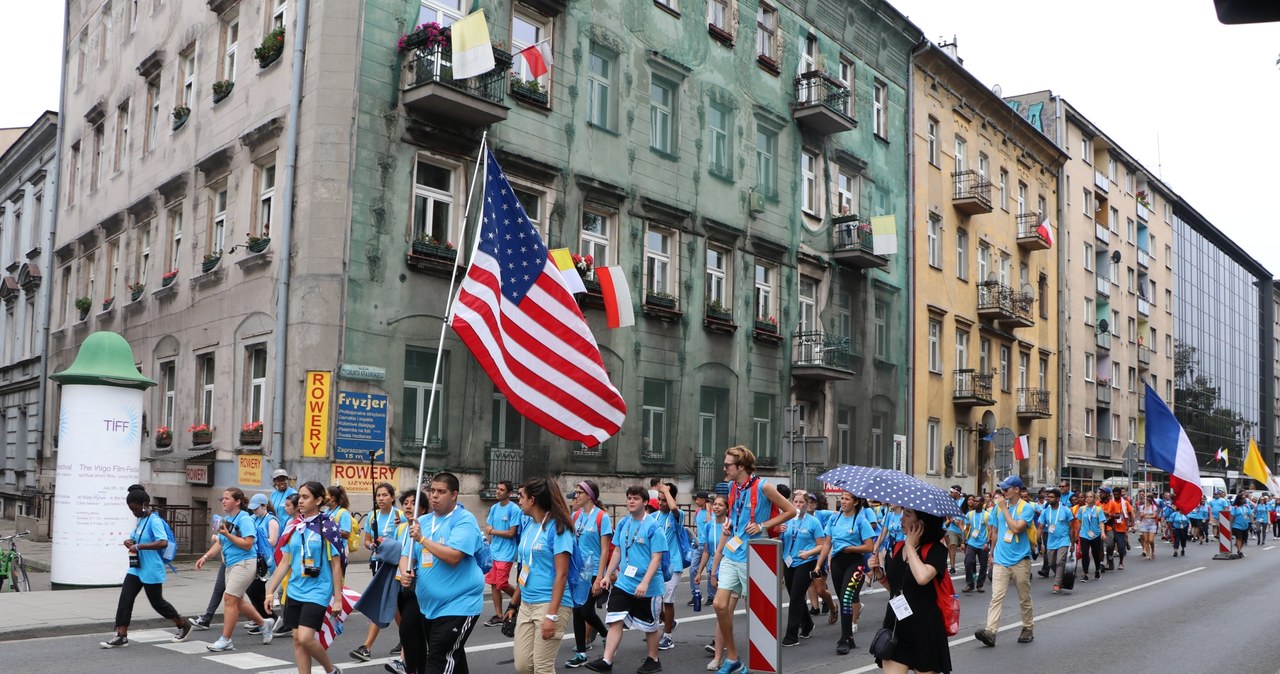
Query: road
(1188,614)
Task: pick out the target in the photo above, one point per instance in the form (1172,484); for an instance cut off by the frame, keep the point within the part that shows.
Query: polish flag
(1045,232)
(618,309)
(1022,448)
(538,57)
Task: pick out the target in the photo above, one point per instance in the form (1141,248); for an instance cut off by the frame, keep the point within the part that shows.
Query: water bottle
(697,599)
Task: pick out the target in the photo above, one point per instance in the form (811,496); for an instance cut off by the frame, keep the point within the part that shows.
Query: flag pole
(444,324)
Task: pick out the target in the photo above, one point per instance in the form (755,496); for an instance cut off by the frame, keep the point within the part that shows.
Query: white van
(1208,485)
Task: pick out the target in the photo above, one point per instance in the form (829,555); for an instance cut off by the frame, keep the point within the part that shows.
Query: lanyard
(583,517)
(533,544)
(437,522)
(627,539)
(747,490)
(795,537)
(380,528)
(137,530)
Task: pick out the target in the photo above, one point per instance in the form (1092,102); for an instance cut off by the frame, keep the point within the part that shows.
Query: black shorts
(1241,535)
(304,614)
(635,612)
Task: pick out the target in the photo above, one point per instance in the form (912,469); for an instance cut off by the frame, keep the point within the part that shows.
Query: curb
(78,629)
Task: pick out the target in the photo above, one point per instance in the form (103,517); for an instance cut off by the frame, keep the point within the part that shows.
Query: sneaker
(396,650)
(222,644)
(967,588)
(361,653)
(1044,573)
(981,589)
(649,666)
(806,633)
(985,636)
(1084,578)
(395,667)
(666,643)
(814,611)
(578,660)
(116,642)
(710,648)
(199,623)
(714,665)
(183,632)
(790,641)
(1026,636)
(254,629)
(599,665)
(842,647)
(1057,589)
(689,603)
(267,631)
(732,667)
(281,629)
(495,621)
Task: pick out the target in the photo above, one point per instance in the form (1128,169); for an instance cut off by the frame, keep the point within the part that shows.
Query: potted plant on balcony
(180,115)
(257,244)
(251,433)
(271,49)
(106,303)
(211,261)
(585,264)
(1142,198)
(168,278)
(427,36)
(83,305)
(426,245)
(659,299)
(136,290)
(164,437)
(222,89)
(769,324)
(201,434)
(529,91)
(717,311)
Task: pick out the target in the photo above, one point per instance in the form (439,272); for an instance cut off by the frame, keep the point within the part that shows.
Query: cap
(279,473)
(703,495)
(1013,481)
(653,503)
(810,496)
(956,487)
(257,501)
(1105,490)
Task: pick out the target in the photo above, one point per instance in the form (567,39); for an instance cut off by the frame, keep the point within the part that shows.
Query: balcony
(970,192)
(1103,284)
(1144,258)
(512,461)
(430,93)
(1102,232)
(1002,304)
(710,473)
(821,102)
(1033,403)
(1103,340)
(1101,182)
(1144,307)
(1144,212)
(1144,356)
(1103,395)
(1105,448)
(1029,235)
(818,356)
(852,243)
(973,389)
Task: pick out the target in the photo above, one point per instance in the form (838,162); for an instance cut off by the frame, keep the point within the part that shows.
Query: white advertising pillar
(99,454)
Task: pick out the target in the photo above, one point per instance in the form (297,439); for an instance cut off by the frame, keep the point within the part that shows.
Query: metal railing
(971,185)
(1105,448)
(1103,285)
(1033,401)
(1144,258)
(815,348)
(1103,340)
(850,233)
(709,473)
(1102,232)
(1104,392)
(818,87)
(996,296)
(1029,225)
(512,461)
(433,64)
(970,383)
(413,444)
(1144,354)
(1144,307)
(191,527)
(1101,181)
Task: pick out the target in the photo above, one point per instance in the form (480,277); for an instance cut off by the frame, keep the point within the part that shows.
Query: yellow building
(985,282)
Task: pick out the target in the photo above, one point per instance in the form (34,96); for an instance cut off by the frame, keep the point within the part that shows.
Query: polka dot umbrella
(893,487)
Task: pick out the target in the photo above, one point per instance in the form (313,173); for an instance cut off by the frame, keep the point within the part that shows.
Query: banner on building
(361,432)
(250,470)
(359,478)
(315,426)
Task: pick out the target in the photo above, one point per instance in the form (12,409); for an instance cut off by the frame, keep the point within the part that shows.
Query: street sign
(1004,451)
(1130,465)
(1131,452)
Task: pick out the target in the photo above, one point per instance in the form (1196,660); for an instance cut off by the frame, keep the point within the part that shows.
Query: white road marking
(247,660)
(152,636)
(1269,547)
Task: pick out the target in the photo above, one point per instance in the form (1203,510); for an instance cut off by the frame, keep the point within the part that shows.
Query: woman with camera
(146,570)
(542,588)
(852,539)
(235,540)
(803,544)
(314,569)
(918,638)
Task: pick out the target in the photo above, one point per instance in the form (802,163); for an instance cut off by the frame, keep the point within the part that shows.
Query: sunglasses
(730,465)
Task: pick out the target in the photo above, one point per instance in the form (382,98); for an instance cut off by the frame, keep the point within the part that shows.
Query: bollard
(1224,537)
(764,605)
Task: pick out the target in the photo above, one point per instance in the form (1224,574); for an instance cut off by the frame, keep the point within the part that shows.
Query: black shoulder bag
(886,640)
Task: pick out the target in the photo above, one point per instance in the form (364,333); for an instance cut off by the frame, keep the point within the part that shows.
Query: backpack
(686,545)
(604,545)
(261,544)
(170,551)
(577,585)
(353,538)
(1033,532)
(483,557)
(948,603)
(754,489)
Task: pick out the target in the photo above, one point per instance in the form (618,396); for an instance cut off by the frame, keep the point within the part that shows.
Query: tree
(1209,424)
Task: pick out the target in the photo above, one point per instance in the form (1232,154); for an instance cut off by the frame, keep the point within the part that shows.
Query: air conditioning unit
(755,202)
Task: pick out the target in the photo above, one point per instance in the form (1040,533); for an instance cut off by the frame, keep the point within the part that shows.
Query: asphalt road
(1177,615)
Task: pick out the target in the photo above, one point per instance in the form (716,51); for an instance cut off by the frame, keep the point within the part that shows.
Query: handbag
(1069,569)
(263,571)
(884,642)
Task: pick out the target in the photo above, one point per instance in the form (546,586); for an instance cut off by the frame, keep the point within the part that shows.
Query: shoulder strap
(575,516)
(599,518)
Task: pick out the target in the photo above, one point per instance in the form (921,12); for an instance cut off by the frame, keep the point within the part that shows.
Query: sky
(1193,100)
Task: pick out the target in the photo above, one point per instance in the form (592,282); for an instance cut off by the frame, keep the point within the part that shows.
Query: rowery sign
(360,477)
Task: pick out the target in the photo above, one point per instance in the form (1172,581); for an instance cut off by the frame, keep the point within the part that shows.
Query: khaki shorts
(240,575)
(953,539)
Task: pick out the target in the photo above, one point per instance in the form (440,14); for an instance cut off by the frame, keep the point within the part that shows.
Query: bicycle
(11,566)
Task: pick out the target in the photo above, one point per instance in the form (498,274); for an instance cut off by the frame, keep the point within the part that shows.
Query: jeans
(1020,574)
(975,565)
(1119,544)
(155,594)
(1090,548)
(798,580)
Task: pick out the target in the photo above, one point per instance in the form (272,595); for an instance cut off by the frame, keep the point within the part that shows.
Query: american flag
(520,322)
(332,626)
(322,525)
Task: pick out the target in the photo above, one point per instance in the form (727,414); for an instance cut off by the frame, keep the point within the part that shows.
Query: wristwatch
(553,618)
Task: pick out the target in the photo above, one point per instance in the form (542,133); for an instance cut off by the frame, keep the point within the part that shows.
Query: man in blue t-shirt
(954,534)
(500,527)
(281,491)
(1012,542)
(670,518)
(1059,528)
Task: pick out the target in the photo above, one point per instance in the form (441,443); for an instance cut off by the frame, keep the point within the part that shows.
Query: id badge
(524,575)
(1052,528)
(630,571)
(428,560)
(733,544)
(788,560)
(901,609)
(307,561)
(1008,536)
(1088,533)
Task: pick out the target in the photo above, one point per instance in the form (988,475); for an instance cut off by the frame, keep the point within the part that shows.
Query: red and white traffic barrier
(764,605)
(1224,536)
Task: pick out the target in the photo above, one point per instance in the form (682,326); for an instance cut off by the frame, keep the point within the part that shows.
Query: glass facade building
(1222,347)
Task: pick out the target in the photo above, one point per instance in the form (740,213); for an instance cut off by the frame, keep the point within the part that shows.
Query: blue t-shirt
(741,514)
(1057,526)
(378,525)
(700,518)
(710,537)
(1261,510)
(263,527)
(824,517)
(670,522)
(846,530)
(306,547)
(149,529)
(277,498)
(448,589)
(1018,546)
(1091,521)
(342,518)
(241,524)
(954,523)
(591,537)
(503,517)
(803,533)
(1200,512)
(639,540)
(1216,506)
(978,531)
(537,550)
(1240,516)
(892,527)
(1179,521)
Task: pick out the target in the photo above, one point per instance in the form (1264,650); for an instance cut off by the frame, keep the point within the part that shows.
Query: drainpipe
(46,286)
(909,277)
(286,236)
(1060,138)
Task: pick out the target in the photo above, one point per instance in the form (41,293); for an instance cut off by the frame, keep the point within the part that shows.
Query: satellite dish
(997,91)
(1028,290)
(1115,256)
(991,277)
(1103,325)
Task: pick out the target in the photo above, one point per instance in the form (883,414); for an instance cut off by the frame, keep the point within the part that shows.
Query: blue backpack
(578,585)
(684,543)
(170,551)
(484,558)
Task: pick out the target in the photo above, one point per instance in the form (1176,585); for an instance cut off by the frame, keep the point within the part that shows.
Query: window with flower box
(718,146)
(168,392)
(433,200)
(765,280)
(174,256)
(718,288)
(257,394)
(527,30)
(596,238)
(661,261)
(767,41)
(206,375)
(218,221)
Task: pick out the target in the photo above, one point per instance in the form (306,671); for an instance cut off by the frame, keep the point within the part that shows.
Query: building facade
(730,166)
(27,178)
(985,288)
(1119,311)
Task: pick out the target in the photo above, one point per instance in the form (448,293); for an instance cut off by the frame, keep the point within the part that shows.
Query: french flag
(1169,450)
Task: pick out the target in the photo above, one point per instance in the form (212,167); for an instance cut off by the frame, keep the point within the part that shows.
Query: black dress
(922,638)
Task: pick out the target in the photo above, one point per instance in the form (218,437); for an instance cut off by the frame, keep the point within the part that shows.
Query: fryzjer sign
(361,433)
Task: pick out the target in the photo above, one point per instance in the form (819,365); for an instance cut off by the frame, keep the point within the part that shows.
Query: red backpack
(948,602)
(753,488)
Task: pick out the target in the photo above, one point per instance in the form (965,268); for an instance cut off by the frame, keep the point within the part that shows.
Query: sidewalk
(44,612)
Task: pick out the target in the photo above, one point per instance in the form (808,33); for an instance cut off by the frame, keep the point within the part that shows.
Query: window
(713,418)
(1133,380)
(653,432)
(218,221)
(531,202)
(1114,222)
(659,260)
(1024,364)
(143,260)
(122,137)
(600,87)
(1086,150)
(168,388)
(932,440)
(766,168)
(962,254)
(230,41)
(1088,423)
(880,319)
(1088,311)
(1130,280)
(961,154)
(1004,189)
(846,78)
(113,267)
(131,14)
(877,442)
(508,426)
(73,174)
(931,141)
(717,276)
(984,355)
(880,109)
(266,199)
(1168,256)
(433,203)
(187,77)
(808,295)
(528,29)
(764,291)
(205,375)
(1111,168)
(844,434)
(1089,371)
(175,238)
(95,178)
(808,57)
(766,32)
(257,397)
(847,192)
(1130,229)
(66,295)
(841,318)
(1022,198)
(153,116)
(984,166)
(1115,375)
(419,371)
(984,257)
(762,424)
(662,103)
(597,237)
(718,139)
(934,244)
(1042,461)
(1044,374)
(1087,203)
(962,450)
(104,40)
(1168,301)
(809,182)
(935,346)
(962,348)
(279,14)
(1088,257)
(89,268)
(1004,368)
(718,14)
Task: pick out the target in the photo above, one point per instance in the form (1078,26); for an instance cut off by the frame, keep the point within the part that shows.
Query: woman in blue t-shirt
(594,529)
(1241,520)
(542,592)
(235,539)
(146,570)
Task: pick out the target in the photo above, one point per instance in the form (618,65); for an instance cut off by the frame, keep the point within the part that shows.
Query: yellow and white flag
(472,53)
(884,235)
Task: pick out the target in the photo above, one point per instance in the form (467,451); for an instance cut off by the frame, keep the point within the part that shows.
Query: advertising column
(99,454)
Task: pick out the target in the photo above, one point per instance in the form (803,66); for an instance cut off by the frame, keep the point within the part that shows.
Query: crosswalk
(242,660)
